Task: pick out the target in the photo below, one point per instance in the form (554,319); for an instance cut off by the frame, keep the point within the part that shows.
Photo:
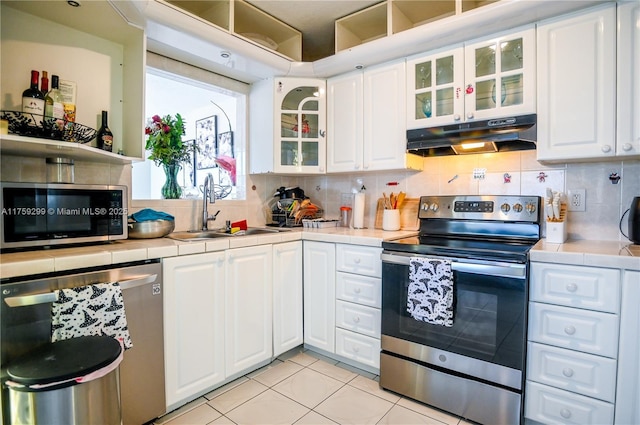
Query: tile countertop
(59,259)
(588,253)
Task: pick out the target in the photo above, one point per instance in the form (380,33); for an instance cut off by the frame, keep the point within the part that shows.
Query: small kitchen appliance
(634,221)
(480,354)
(43,214)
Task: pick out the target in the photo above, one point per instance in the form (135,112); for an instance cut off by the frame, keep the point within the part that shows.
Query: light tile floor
(303,387)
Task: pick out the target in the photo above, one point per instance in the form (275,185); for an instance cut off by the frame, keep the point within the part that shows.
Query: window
(213,109)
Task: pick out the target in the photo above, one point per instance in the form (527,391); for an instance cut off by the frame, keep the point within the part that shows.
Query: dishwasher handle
(49,297)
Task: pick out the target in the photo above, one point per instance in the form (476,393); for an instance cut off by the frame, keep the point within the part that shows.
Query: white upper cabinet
(486,78)
(628,124)
(435,86)
(500,75)
(292,139)
(367,121)
(577,85)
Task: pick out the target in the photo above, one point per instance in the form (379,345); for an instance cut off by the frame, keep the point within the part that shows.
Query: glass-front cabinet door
(300,144)
(435,86)
(500,76)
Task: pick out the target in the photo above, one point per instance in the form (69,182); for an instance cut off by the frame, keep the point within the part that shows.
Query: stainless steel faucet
(208,196)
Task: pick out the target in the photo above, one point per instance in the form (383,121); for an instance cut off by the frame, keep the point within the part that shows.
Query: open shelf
(407,14)
(217,12)
(361,27)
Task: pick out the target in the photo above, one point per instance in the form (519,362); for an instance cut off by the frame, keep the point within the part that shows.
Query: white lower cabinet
(287,296)
(248,300)
(319,295)
(228,312)
(573,337)
(194,325)
(628,390)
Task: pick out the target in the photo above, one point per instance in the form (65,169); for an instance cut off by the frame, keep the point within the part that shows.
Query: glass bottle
(105,136)
(32,98)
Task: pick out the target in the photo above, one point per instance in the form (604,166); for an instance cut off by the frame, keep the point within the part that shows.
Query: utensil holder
(391,219)
(556,231)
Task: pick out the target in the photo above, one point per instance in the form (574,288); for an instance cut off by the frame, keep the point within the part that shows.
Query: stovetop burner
(502,228)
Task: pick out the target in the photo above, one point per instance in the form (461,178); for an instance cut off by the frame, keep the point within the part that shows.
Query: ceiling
(315,19)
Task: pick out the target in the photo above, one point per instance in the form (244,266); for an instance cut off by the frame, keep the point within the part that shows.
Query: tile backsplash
(513,173)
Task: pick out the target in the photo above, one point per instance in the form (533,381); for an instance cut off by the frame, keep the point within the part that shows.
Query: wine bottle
(56,108)
(44,88)
(105,136)
(32,98)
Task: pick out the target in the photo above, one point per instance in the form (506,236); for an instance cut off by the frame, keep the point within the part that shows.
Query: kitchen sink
(199,235)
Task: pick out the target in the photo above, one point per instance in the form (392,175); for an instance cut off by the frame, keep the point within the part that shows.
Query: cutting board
(408,214)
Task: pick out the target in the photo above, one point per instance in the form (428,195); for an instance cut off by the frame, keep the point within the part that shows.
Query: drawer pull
(357,290)
(356,319)
(356,349)
(356,260)
(570,330)
(572,287)
(565,413)
(568,372)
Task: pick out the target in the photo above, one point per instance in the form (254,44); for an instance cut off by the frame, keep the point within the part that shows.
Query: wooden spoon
(399,200)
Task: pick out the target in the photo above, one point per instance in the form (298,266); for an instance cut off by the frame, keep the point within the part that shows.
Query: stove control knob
(531,208)
(517,207)
(434,207)
(505,207)
(424,206)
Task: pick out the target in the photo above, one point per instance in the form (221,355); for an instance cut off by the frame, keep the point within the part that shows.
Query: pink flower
(147,130)
(156,118)
(166,128)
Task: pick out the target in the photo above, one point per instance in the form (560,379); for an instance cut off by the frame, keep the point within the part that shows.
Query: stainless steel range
(471,364)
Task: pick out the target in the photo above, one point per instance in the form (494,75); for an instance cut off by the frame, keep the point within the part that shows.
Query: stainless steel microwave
(41,214)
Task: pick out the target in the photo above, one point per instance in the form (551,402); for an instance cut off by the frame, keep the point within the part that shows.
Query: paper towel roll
(358,211)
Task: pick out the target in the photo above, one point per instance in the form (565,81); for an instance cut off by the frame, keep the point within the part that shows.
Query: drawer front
(358,318)
(359,289)
(553,406)
(360,348)
(575,286)
(583,330)
(586,374)
(359,259)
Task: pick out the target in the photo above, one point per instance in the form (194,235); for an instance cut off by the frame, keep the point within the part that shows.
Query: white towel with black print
(90,310)
(430,293)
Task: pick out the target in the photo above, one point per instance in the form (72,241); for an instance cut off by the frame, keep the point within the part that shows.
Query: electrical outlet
(576,200)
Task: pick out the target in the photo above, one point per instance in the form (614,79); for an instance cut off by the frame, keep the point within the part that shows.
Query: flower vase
(171,188)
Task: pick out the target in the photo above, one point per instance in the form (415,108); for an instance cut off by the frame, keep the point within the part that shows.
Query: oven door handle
(494,269)
(49,297)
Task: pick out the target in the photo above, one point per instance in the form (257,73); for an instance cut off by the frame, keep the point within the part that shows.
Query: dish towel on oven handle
(90,310)
(430,293)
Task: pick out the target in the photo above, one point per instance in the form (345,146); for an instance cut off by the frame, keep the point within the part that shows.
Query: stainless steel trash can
(75,381)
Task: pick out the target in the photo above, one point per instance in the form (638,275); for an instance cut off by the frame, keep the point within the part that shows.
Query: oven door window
(488,320)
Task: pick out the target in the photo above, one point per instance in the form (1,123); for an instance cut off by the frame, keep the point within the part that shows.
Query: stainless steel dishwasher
(25,324)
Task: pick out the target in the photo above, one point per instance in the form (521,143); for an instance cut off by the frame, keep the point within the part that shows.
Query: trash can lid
(63,360)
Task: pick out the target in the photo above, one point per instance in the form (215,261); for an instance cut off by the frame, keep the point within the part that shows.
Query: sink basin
(198,235)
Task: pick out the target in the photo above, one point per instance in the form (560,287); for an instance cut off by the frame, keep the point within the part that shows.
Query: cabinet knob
(569,330)
(357,166)
(606,148)
(565,413)
(365,167)
(568,372)
(456,117)
(356,349)
(356,290)
(470,115)
(356,319)
(627,147)
(572,287)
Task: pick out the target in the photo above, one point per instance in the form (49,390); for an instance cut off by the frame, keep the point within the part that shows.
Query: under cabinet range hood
(494,135)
